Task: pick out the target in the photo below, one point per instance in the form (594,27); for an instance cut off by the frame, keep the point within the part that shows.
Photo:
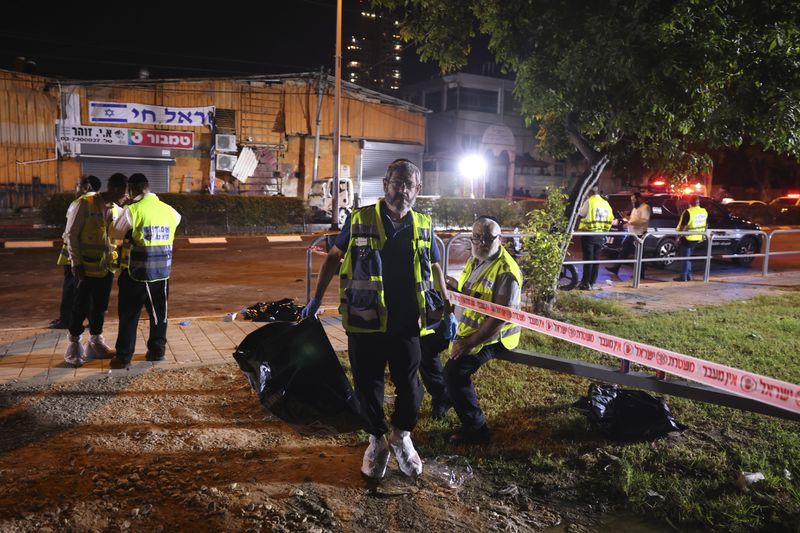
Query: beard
(399,201)
(481,253)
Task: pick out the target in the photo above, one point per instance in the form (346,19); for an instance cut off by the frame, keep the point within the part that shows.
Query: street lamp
(472,166)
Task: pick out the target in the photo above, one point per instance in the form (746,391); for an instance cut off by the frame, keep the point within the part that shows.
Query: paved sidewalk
(37,354)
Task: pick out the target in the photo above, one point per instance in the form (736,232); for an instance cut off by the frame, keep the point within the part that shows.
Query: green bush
(461,212)
(203,213)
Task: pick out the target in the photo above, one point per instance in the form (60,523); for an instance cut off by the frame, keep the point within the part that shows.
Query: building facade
(478,115)
(253,135)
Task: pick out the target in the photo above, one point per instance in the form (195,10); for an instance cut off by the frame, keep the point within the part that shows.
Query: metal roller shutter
(103,161)
(375,157)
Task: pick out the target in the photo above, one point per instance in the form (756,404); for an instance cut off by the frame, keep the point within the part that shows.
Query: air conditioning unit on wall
(226,162)
(226,143)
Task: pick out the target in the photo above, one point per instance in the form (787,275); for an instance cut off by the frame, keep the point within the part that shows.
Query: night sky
(113,41)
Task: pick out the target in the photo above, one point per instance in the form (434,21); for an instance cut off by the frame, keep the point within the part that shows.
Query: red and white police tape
(761,388)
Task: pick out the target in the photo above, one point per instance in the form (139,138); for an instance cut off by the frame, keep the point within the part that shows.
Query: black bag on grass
(298,378)
(627,415)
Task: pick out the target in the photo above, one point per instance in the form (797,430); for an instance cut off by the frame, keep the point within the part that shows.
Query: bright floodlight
(472,166)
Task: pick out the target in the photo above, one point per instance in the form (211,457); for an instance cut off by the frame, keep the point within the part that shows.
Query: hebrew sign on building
(127,113)
(73,133)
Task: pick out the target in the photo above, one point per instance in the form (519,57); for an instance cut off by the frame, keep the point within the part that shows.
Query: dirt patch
(180,449)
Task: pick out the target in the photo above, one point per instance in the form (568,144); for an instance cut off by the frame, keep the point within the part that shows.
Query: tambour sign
(761,388)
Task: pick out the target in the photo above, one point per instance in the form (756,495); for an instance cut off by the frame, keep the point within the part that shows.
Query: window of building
(433,100)
(561,169)
(226,121)
(510,104)
(452,98)
(477,100)
(470,143)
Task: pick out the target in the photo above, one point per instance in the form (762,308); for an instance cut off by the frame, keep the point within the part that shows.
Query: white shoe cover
(98,349)
(76,353)
(403,449)
(376,457)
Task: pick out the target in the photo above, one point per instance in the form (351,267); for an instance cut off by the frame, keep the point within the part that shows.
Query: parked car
(752,210)
(665,212)
(786,209)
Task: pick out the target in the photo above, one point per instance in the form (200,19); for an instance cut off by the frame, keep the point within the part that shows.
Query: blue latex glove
(311,308)
(450,326)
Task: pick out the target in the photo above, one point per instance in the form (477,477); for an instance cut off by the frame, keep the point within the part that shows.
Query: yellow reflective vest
(598,217)
(98,253)
(63,255)
(362,300)
(152,234)
(483,288)
(697,221)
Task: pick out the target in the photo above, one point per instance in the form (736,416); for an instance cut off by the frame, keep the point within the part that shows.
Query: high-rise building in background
(371,47)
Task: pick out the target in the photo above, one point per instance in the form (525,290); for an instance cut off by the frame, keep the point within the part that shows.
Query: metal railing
(636,261)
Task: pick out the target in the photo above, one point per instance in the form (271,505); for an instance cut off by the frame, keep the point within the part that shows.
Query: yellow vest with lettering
(698,221)
(483,288)
(599,215)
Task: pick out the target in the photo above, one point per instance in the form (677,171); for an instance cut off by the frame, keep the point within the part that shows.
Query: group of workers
(395,309)
(393,296)
(596,217)
(396,312)
(125,228)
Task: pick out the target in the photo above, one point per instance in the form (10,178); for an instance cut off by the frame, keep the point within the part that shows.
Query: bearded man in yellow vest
(695,218)
(92,255)
(148,226)
(491,274)
(87,186)
(596,215)
(388,279)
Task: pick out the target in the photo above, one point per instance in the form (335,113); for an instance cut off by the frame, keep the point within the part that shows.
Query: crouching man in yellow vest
(92,255)
(491,274)
(389,263)
(148,226)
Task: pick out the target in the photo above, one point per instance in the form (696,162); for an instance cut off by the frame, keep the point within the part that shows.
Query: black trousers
(133,295)
(369,354)
(430,365)
(67,297)
(458,378)
(91,301)
(591,252)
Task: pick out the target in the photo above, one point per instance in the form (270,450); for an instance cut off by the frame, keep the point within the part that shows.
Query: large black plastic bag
(298,378)
(280,310)
(627,415)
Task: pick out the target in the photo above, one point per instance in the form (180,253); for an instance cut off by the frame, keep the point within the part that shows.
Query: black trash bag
(627,415)
(280,310)
(298,378)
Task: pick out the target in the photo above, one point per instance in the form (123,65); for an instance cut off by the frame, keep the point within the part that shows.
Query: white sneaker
(98,349)
(407,457)
(376,457)
(76,353)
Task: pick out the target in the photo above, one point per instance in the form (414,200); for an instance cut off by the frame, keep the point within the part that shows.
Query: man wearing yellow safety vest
(92,255)
(596,215)
(695,218)
(491,274)
(87,186)
(148,225)
(388,279)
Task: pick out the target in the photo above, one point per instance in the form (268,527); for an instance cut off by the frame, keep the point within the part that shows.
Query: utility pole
(337,119)
(315,172)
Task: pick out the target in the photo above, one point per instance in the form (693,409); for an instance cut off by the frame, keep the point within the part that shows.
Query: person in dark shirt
(389,274)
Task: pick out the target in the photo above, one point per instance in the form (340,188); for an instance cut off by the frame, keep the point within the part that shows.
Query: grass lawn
(689,479)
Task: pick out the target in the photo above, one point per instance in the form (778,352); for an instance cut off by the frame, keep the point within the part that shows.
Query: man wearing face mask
(491,274)
(389,274)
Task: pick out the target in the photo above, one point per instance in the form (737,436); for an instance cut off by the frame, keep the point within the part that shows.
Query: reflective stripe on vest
(97,251)
(482,288)
(698,221)
(361,295)
(152,234)
(598,216)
